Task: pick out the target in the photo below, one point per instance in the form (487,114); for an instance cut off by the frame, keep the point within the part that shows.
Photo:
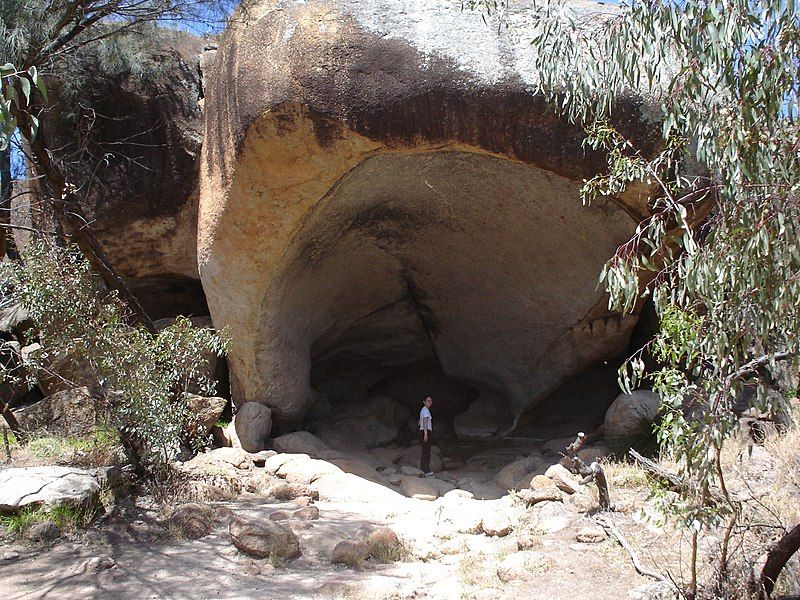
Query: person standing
(426,429)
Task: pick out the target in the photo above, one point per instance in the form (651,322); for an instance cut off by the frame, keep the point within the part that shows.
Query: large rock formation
(382,194)
(131,143)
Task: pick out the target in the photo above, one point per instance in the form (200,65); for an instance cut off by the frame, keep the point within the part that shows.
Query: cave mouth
(464,276)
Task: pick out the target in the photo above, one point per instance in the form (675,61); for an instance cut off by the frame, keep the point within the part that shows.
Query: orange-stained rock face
(382,194)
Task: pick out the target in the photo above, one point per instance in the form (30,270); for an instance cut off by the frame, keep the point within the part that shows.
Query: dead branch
(609,526)
(593,472)
(6,444)
(777,558)
(673,482)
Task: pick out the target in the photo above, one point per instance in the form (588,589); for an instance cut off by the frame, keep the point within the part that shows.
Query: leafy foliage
(142,376)
(719,253)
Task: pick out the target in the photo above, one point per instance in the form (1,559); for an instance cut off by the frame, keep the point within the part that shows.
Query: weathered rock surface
(630,413)
(374,200)
(44,531)
(496,523)
(416,487)
(481,420)
(207,408)
(374,422)
(509,477)
(192,520)
(349,552)
(253,423)
(518,566)
(34,486)
(300,442)
(591,535)
(140,149)
(563,479)
(262,538)
(71,412)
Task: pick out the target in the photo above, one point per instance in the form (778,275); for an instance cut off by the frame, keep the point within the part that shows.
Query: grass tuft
(68,518)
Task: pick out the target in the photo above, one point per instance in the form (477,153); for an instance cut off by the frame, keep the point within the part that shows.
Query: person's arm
(425,427)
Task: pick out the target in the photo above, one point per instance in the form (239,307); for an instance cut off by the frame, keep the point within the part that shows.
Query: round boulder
(192,520)
(629,416)
(253,423)
(262,538)
(349,552)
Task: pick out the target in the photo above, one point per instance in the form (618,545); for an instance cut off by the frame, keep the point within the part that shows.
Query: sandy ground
(147,566)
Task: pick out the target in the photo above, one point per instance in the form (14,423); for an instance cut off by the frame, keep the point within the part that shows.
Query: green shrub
(68,517)
(142,375)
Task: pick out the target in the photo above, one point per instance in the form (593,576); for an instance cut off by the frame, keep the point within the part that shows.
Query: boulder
(550,517)
(22,487)
(421,489)
(372,422)
(351,123)
(477,422)
(496,523)
(384,545)
(262,538)
(411,455)
(595,452)
(253,423)
(146,126)
(459,513)
(629,415)
(61,373)
(216,475)
(224,458)
(509,476)
(69,412)
(410,471)
(192,520)
(306,471)
(542,482)
(349,552)
(591,535)
(291,491)
(308,513)
(300,442)
(517,566)
(563,479)
(374,498)
(359,468)
(44,531)
(207,408)
(534,496)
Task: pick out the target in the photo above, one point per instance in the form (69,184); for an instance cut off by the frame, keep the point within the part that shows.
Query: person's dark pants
(425,457)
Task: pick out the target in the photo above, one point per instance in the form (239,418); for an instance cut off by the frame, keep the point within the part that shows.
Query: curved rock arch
(346,182)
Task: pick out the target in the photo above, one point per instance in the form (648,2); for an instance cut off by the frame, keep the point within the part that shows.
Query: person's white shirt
(425,412)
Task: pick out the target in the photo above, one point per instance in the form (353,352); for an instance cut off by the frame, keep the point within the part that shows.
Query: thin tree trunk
(5,198)
(777,558)
(68,210)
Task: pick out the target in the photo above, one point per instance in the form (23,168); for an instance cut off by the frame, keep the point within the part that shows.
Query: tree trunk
(5,198)
(777,558)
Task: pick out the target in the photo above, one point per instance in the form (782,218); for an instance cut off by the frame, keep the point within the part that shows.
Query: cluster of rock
(72,402)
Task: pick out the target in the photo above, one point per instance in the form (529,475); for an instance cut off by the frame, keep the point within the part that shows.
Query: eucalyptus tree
(142,372)
(719,256)
(43,40)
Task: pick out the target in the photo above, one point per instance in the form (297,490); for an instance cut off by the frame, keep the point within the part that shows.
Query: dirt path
(145,566)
